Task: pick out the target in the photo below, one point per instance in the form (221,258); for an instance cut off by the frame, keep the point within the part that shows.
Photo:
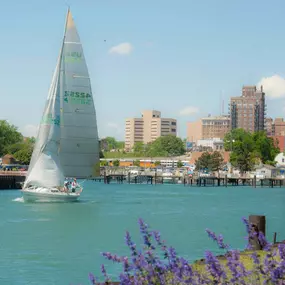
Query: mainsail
(79,149)
(45,169)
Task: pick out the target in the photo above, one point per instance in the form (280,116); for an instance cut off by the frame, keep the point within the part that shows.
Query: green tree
(203,162)
(137,163)
(109,143)
(179,163)
(243,152)
(139,148)
(265,147)
(157,163)
(104,163)
(217,161)
(22,151)
(101,155)
(247,149)
(116,163)
(166,146)
(9,135)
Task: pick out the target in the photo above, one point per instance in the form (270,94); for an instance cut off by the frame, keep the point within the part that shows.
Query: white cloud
(122,49)
(273,86)
(30,131)
(189,110)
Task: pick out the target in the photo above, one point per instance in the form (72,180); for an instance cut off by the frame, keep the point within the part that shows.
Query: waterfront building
(148,128)
(248,110)
(208,128)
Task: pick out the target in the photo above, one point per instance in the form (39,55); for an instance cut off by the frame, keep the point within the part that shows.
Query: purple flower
(218,239)
(214,267)
(146,267)
(92,279)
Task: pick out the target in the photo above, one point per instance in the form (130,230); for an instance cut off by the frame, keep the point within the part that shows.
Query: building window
(283,160)
(173,130)
(173,123)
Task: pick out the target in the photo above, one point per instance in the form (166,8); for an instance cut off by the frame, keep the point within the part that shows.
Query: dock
(11,179)
(211,181)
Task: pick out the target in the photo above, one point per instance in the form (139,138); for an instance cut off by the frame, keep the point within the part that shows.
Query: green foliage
(203,162)
(179,164)
(161,147)
(110,143)
(116,163)
(166,146)
(211,161)
(137,163)
(8,135)
(104,163)
(22,151)
(265,147)
(217,161)
(157,163)
(101,155)
(139,148)
(249,148)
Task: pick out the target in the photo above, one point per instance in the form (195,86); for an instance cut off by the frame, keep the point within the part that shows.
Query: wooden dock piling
(258,225)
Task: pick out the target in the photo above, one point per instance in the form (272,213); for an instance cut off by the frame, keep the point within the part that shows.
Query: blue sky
(179,57)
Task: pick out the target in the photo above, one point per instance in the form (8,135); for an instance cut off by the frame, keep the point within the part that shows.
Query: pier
(11,179)
(211,181)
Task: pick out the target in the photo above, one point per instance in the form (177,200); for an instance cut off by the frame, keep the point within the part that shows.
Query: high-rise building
(248,110)
(148,128)
(269,126)
(278,127)
(215,127)
(208,128)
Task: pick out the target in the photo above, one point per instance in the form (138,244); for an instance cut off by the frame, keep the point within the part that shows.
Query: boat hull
(33,196)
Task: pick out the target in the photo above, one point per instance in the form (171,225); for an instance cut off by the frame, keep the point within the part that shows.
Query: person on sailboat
(66,183)
(73,185)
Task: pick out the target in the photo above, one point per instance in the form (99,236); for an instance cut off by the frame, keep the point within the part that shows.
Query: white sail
(79,151)
(45,169)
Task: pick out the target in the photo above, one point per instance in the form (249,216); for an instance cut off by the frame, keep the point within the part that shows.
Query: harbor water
(61,243)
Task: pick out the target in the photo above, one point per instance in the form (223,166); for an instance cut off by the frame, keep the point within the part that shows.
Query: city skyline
(182,59)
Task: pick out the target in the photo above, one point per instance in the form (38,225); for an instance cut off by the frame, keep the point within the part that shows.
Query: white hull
(48,195)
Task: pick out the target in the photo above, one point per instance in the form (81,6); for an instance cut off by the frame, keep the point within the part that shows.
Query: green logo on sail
(73,56)
(80,98)
(50,120)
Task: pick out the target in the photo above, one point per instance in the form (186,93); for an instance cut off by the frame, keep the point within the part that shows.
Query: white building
(280,159)
(214,144)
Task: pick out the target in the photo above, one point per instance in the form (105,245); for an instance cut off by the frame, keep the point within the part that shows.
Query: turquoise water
(61,243)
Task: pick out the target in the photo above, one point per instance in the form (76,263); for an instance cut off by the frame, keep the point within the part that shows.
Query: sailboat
(67,143)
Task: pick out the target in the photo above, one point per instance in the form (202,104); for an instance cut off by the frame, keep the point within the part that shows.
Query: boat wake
(21,200)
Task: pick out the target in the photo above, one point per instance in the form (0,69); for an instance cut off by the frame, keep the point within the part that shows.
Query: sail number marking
(77,98)
(73,56)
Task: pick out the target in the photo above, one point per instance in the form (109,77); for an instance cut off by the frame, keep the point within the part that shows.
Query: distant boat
(67,143)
